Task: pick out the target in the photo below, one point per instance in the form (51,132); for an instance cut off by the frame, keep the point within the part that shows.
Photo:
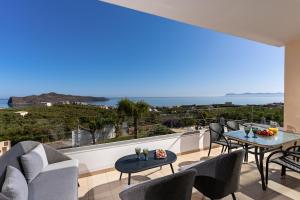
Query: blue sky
(88,47)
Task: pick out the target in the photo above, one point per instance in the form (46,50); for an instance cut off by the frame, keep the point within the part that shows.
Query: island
(51,98)
(255,94)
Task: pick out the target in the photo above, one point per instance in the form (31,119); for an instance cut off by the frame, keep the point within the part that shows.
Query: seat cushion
(57,181)
(34,162)
(15,186)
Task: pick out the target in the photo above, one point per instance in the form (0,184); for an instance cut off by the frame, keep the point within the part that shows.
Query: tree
(96,124)
(135,110)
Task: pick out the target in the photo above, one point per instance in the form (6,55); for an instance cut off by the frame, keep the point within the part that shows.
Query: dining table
(262,145)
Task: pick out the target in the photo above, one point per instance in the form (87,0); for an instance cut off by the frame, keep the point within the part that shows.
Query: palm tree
(135,110)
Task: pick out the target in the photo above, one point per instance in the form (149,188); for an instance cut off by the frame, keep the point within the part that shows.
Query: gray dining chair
(220,176)
(232,126)
(216,131)
(176,187)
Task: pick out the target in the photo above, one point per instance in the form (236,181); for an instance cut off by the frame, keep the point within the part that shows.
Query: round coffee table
(131,164)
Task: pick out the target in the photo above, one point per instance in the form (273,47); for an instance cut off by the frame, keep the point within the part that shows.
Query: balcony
(97,149)
(106,185)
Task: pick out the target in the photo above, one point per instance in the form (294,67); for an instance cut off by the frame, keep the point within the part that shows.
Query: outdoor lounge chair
(57,181)
(220,176)
(176,187)
(216,131)
(287,159)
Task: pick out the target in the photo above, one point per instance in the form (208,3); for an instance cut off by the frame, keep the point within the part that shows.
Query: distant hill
(254,94)
(53,98)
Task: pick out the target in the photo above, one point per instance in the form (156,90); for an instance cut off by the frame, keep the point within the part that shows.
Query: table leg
(129,178)
(172,168)
(259,159)
(120,176)
(246,153)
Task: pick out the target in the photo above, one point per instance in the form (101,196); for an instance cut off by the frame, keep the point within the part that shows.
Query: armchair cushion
(15,186)
(57,181)
(34,162)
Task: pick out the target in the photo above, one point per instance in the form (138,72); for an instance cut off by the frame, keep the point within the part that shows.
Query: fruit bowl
(160,154)
(268,132)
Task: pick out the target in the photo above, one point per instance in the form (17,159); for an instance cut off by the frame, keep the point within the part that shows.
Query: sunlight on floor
(106,186)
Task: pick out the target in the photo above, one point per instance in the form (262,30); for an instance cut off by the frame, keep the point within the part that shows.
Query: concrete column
(292,87)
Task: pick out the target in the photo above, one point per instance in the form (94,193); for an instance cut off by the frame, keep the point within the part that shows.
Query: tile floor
(106,186)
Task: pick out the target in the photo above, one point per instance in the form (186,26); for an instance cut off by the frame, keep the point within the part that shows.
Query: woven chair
(287,159)
(176,186)
(220,176)
(216,131)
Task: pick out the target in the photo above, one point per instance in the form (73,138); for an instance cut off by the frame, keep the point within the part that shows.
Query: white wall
(103,156)
(292,87)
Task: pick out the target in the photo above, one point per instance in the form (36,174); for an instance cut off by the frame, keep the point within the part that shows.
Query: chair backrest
(12,157)
(228,167)
(220,176)
(222,121)
(232,126)
(216,131)
(176,186)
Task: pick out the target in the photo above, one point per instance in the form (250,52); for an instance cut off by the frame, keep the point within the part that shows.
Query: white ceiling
(274,22)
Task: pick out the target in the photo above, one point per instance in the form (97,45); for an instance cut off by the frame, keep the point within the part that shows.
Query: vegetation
(134,110)
(49,124)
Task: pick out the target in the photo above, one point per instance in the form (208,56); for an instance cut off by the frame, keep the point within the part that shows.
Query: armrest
(293,147)
(135,192)
(274,153)
(54,156)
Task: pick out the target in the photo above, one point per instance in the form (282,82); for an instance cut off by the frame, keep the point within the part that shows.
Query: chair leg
(233,196)
(283,171)
(222,149)
(267,172)
(209,150)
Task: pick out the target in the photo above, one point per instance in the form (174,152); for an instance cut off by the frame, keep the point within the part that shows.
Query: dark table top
(131,164)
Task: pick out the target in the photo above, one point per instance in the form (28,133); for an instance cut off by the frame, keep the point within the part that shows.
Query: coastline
(179,101)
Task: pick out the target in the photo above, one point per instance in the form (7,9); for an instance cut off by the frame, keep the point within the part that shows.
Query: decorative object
(146,152)
(254,131)
(138,152)
(247,131)
(160,154)
(268,132)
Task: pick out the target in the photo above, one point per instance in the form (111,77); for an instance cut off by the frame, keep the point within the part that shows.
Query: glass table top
(263,141)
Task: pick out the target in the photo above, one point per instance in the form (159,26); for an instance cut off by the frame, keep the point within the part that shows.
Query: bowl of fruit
(160,154)
(268,132)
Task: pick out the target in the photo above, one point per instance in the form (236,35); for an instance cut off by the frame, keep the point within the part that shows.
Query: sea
(177,101)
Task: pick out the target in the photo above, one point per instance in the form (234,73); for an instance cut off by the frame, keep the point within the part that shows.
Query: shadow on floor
(280,188)
(107,190)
